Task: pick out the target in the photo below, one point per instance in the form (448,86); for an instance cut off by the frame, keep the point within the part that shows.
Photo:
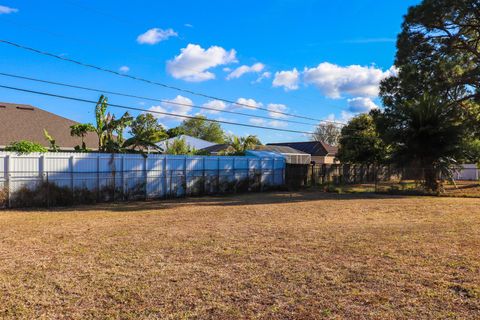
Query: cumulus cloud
(361,105)
(287,79)
(240,71)
(179,105)
(124,69)
(214,104)
(275,108)
(248,103)
(193,62)
(265,75)
(7,10)
(155,35)
(334,81)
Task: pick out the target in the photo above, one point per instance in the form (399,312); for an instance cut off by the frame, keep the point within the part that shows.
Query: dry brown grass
(278,255)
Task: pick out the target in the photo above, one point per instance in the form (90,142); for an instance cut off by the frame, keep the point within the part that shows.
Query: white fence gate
(126,176)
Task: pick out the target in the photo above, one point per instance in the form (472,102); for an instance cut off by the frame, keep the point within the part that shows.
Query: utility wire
(151,99)
(152,111)
(158,83)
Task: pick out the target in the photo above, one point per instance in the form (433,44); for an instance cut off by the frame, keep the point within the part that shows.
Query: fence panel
(96,177)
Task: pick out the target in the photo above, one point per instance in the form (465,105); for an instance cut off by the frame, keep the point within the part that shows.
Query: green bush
(25,146)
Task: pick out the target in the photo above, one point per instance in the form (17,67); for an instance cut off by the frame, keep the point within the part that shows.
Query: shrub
(25,146)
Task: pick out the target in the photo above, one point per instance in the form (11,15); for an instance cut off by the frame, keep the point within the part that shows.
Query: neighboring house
(217,149)
(25,122)
(192,142)
(320,152)
(291,155)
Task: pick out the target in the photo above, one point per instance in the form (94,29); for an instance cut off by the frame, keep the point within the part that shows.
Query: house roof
(314,148)
(26,122)
(216,148)
(280,149)
(192,142)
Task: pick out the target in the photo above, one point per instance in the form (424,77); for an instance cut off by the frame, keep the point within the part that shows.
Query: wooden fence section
(105,177)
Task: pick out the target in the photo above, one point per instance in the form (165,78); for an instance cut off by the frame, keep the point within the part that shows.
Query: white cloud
(124,69)
(287,79)
(240,71)
(361,105)
(188,25)
(194,61)
(265,123)
(155,35)
(274,108)
(334,81)
(265,75)
(7,10)
(181,105)
(214,104)
(248,103)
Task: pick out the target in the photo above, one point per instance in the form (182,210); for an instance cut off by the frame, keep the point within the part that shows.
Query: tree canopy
(199,127)
(360,142)
(328,133)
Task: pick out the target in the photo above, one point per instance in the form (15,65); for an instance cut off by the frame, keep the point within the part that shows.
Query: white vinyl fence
(127,176)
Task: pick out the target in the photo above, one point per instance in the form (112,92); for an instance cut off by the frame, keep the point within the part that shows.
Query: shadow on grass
(273,197)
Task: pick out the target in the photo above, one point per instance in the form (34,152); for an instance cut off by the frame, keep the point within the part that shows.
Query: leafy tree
(201,128)
(53,146)
(24,147)
(175,132)
(360,143)
(432,111)
(179,147)
(328,133)
(427,133)
(146,132)
(242,144)
(81,130)
(438,52)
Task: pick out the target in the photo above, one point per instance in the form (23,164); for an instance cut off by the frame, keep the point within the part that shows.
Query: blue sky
(321,59)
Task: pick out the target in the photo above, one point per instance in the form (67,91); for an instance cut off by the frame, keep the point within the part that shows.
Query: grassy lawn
(277,255)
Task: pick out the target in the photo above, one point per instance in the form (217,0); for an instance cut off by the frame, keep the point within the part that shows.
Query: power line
(151,99)
(158,83)
(152,111)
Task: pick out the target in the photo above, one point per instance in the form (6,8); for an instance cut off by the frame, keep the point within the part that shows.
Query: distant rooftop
(314,148)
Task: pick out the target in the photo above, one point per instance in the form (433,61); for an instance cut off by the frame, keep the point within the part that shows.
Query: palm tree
(242,144)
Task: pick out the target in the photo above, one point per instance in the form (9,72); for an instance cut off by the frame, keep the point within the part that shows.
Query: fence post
(123,177)
(145,172)
(71,164)
(98,177)
(165,182)
(8,180)
(185,176)
(204,175)
(218,174)
(48,191)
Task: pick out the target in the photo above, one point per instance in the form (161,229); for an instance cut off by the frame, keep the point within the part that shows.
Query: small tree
(81,130)
(179,147)
(25,147)
(146,133)
(328,133)
(360,142)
